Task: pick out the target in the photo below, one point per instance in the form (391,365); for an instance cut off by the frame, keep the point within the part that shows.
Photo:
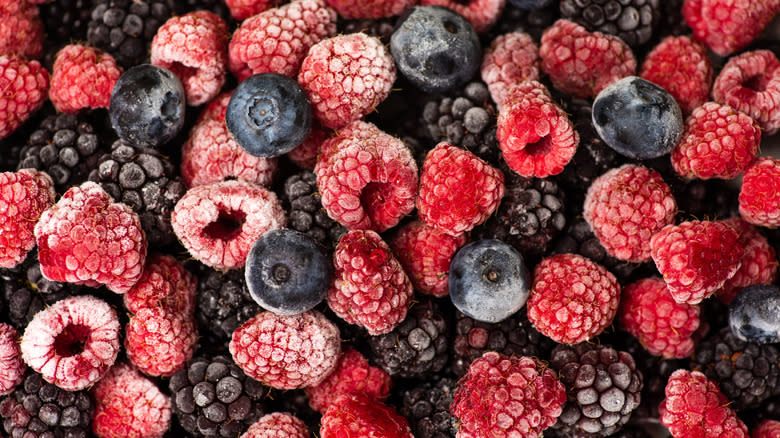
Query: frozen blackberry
(672,22)
(381,28)
(64,21)
(532,22)
(305,210)
(632,20)
(216,6)
(427,408)
(224,304)
(705,199)
(296,402)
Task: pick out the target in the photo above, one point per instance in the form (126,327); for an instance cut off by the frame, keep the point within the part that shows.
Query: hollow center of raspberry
(374,196)
(281,273)
(226,227)
(182,71)
(756,82)
(71,340)
(263,112)
(540,147)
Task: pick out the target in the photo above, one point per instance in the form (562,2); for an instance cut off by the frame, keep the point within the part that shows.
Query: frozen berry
(754,314)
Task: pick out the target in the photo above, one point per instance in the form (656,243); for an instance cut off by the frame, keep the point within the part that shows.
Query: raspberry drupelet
(12,366)
(82,77)
(362,415)
(166,284)
(759,262)
(277,425)
(21,29)
(728,26)
(159,342)
(482,14)
(511,59)
(243,9)
(354,9)
(24,196)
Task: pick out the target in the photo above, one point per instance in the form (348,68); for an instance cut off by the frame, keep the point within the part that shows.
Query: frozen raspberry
(166,284)
(346,77)
(24,195)
(353,9)
(369,287)
(277,40)
(726,26)
(759,262)
(287,352)
(11,364)
(535,135)
(23,95)
(766,429)
(696,258)
(159,342)
(128,404)
(759,196)
(663,326)
(458,190)
(482,14)
(82,77)
(750,83)
(583,63)
(73,342)
(215,109)
(512,396)
(243,9)
(357,414)
(218,223)
(511,59)
(695,407)
(277,425)
(21,29)
(625,207)
(305,154)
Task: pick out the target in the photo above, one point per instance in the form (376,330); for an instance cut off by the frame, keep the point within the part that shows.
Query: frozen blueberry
(147,106)
(530,5)
(488,280)
(435,48)
(637,118)
(287,272)
(268,115)
(754,314)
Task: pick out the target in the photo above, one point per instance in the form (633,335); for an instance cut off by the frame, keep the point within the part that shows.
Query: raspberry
(357,414)
(759,196)
(243,9)
(159,342)
(681,66)
(534,134)
(766,429)
(353,9)
(458,191)
(369,287)
(346,77)
(511,59)
(750,83)
(21,29)
(216,108)
(277,425)
(194,47)
(695,407)
(663,326)
(82,77)
(277,40)
(24,195)
(726,26)
(287,352)
(22,96)
(759,262)
(73,342)
(696,258)
(625,207)
(511,396)
(305,154)
(128,404)
(482,14)
(165,284)
(218,223)
(86,238)
(583,63)
(11,364)
(367,178)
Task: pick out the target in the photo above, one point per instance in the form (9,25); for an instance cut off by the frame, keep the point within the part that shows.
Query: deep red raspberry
(369,287)
(73,342)
(277,425)
(219,223)
(535,135)
(287,352)
(663,326)
(759,262)
(87,238)
(482,14)
(511,59)
(625,207)
(695,407)
(12,366)
(352,9)
(216,108)
(696,258)
(582,63)
(305,154)
(165,283)
(357,414)
(21,29)
(82,77)
(766,429)
(572,298)
(510,396)
(243,9)
(24,195)
(346,77)
(277,40)
(727,26)
(458,190)
(159,342)
(23,89)
(759,196)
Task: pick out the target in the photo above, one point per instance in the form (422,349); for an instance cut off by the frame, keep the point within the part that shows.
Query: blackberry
(305,210)
(672,22)
(427,408)
(64,21)
(224,304)
(381,28)
(633,20)
(631,431)
(704,199)
(532,22)
(296,402)
(216,6)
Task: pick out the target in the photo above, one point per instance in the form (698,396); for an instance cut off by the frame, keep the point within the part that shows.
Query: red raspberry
(663,326)
(73,342)
(360,415)
(369,287)
(696,258)
(346,77)
(305,154)
(582,63)
(766,429)
(625,207)
(534,134)
(277,425)
(759,262)
(367,179)
(352,9)
(128,404)
(287,352)
(750,83)
(482,14)
(681,66)
(164,284)
(24,195)
(727,26)
(219,223)
(22,96)
(277,40)
(216,108)
(695,407)
(159,342)
(511,59)
(759,196)
(572,299)
(87,238)
(510,396)
(11,364)
(352,374)
(82,77)
(458,190)
(243,9)
(21,29)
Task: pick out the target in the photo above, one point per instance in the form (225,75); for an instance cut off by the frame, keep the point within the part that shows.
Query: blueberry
(287,272)
(268,115)
(637,118)
(530,5)
(754,314)
(147,106)
(435,48)
(488,280)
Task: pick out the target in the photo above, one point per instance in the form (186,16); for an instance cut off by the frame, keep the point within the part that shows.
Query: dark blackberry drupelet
(224,304)
(631,431)
(427,408)
(633,20)
(381,28)
(305,210)
(532,22)
(64,22)
(672,22)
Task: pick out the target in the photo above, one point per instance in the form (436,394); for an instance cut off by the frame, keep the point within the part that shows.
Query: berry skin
(24,195)
(159,342)
(21,29)
(728,26)
(243,9)
(759,262)
(766,429)
(23,96)
(277,425)
(12,366)
(511,59)
(753,315)
(353,9)
(73,342)
(572,299)
(305,154)
(482,14)
(166,284)
(357,414)
(82,77)
(759,196)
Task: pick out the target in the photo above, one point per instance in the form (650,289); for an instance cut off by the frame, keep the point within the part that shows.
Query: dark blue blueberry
(754,314)
(530,5)
(435,48)
(287,272)
(488,280)
(147,106)
(268,115)
(637,118)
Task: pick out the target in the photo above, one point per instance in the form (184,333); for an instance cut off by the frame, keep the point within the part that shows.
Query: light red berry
(23,95)
(12,366)
(361,415)
(24,196)
(759,196)
(82,77)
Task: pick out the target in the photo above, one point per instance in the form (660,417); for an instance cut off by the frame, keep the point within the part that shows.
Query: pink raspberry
(24,195)
(164,283)
(726,26)
(159,342)
(277,425)
(21,29)
(759,262)
(11,364)
(759,196)
(243,9)
(511,59)
(482,14)
(216,108)
(357,414)
(73,342)
(766,429)
(82,77)
(353,9)
(305,154)
(23,95)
